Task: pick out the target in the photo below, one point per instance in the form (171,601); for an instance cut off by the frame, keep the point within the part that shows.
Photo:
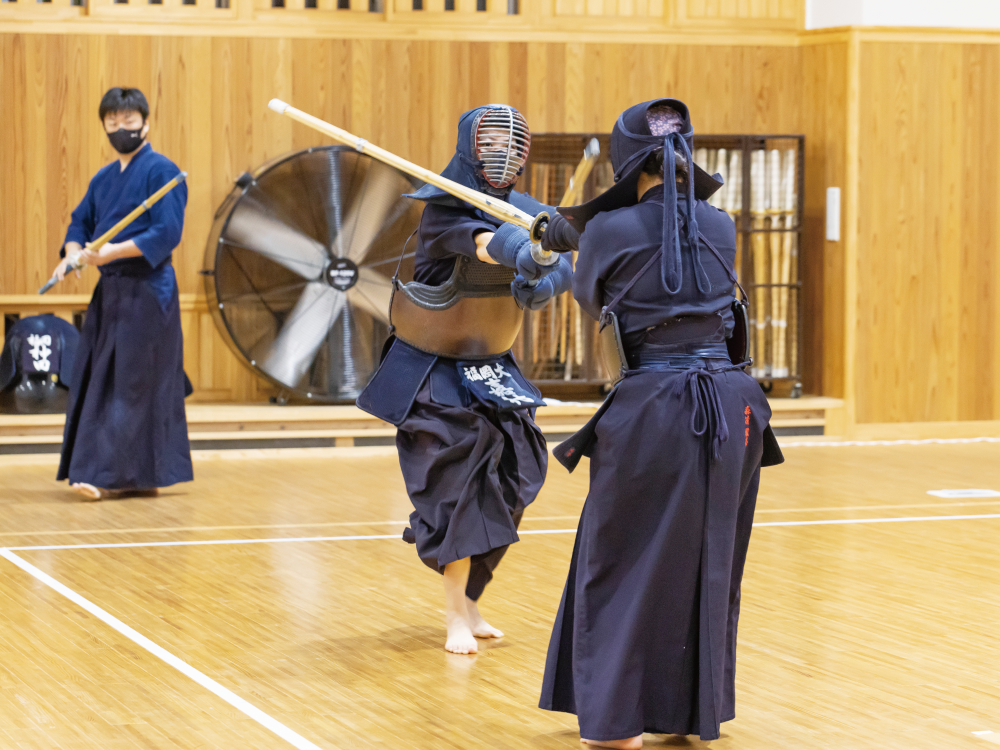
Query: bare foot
(480,628)
(460,638)
(89,491)
(631,743)
(456,614)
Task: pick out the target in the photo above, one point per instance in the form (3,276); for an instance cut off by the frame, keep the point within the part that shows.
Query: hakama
(125,421)
(470,467)
(645,637)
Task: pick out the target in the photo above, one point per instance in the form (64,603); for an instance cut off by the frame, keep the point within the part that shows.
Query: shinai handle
(105,238)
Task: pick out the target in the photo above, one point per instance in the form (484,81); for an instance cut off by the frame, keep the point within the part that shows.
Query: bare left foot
(629,743)
(480,628)
(460,640)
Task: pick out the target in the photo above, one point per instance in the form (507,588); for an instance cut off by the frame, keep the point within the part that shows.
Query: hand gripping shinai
(101,241)
(493,206)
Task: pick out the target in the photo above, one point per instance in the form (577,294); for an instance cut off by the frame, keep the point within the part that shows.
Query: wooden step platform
(241,426)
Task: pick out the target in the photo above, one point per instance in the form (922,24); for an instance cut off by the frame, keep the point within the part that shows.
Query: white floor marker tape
(285,540)
(205,681)
(963,493)
(864,443)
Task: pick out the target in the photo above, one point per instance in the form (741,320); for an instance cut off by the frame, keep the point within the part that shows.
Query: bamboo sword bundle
(758,252)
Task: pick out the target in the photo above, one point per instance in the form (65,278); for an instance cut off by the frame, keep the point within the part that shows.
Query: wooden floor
(853,635)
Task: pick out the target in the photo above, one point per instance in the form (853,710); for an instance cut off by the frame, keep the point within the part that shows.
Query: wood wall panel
(209,114)
(824,123)
(927,345)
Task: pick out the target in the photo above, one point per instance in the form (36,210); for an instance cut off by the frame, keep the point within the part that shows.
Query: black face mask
(126,141)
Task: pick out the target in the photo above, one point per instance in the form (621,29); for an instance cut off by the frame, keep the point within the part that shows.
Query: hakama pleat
(470,472)
(125,422)
(645,636)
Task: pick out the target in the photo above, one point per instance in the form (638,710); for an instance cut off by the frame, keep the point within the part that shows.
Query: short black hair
(121,99)
(654,164)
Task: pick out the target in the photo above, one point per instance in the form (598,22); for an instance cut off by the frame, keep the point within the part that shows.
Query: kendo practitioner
(35,365)
(470,452)
(126,431)
(645,636)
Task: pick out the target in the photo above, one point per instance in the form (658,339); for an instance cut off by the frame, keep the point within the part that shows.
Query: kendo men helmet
(500,142)
(490,154)
(660,125)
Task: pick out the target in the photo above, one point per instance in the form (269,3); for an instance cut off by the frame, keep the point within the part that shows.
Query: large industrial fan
(299,266)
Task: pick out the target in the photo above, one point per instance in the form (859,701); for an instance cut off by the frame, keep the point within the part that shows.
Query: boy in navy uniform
(126,431)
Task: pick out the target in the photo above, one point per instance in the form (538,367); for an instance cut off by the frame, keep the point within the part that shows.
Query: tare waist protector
(470,316)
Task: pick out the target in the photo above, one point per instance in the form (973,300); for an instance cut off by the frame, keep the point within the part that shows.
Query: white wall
(966,14)
(825,14)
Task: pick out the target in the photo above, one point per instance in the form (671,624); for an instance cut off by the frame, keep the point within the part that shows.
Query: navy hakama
(471,465)
(125,421)
(470,470)
(645,636)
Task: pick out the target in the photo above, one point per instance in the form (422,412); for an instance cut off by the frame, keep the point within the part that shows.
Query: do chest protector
(471,316)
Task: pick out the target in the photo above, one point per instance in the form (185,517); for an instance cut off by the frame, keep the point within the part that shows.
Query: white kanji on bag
(40,351)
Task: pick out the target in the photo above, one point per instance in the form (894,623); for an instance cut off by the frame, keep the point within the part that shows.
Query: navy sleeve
(528,204)
(83,220)
(589,272)
(446,231)
(166,216)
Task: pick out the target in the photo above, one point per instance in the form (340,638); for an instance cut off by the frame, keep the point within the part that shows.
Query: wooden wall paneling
(271,78)
(14,101)
(499,72)
(536,111)
(33,273)
(824,123)
(422,130)
(978,371)
(574,88)
(517,77)
(554,81)
(927,335)
(908,243)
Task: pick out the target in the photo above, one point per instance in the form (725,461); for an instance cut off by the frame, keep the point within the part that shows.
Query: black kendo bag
(36,365)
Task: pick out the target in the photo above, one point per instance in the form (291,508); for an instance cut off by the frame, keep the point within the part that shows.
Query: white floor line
(204,680)
(201,543)
(322,524)
(849,443)
(836,522)
(285,540)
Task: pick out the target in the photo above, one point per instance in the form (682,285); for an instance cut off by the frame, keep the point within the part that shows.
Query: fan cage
(391,240)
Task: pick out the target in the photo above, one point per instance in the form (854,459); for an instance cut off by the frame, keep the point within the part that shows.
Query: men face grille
(502,141)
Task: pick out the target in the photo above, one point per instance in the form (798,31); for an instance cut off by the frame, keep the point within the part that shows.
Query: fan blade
(255,227)
(293,351)
(372,210)
(335,206)
(372,294)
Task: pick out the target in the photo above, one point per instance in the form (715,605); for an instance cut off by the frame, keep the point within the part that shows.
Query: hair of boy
(119,99)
